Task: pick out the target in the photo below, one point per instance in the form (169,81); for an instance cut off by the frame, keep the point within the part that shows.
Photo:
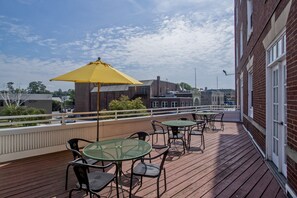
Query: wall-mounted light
(226,74)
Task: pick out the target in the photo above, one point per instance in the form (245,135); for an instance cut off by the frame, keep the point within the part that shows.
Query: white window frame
(249,18)
(164,104)
(250,94)
(155,104)
(174,104)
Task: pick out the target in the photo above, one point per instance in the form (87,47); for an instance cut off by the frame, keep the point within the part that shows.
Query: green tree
(37,87)
(56,105)
(185,86)
(124,103)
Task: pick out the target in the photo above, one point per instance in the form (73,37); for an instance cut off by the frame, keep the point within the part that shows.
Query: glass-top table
(117,149)
(179,123)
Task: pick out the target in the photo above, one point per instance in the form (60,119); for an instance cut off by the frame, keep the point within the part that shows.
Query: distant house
(212,97)
(154,94)
(40,101)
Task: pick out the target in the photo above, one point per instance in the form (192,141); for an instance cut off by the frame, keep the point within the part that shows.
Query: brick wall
(292,93)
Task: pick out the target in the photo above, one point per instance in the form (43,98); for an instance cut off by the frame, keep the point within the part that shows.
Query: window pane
(274,52)
(275,112)
(285,44)
(280,48)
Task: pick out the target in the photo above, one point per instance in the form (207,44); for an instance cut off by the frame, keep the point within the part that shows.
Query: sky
(42,39)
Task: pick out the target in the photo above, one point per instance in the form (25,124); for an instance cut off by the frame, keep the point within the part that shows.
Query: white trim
(241,96)
(290,191)
(254,142)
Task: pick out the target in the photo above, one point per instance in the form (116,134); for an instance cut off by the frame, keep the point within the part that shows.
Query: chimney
(158,86)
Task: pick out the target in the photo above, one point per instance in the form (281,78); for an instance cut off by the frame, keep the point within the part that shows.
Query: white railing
(65,118)
(22,142)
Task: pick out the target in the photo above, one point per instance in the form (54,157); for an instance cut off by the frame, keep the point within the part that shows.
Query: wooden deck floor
(229,167)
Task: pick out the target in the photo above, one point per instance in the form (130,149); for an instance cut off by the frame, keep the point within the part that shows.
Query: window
(174,104)
(241,42)
(250,94)
(155,104)
(182,104)
(1,103)
(164,104)
(277,50)
(249,18)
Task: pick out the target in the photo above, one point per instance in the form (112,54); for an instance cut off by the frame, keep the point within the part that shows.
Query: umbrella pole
(98,103)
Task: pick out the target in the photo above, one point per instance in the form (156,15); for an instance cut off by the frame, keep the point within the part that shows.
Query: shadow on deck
(230,166)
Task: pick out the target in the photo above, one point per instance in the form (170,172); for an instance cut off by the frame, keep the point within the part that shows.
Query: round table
(179,123)
(208,116)
(117,149)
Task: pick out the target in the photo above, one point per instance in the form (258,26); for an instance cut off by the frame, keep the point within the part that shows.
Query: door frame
(269,115)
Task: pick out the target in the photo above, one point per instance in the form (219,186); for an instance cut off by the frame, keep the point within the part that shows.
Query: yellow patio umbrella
(100,73)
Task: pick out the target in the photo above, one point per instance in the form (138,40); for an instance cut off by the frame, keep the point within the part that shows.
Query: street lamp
(227,74)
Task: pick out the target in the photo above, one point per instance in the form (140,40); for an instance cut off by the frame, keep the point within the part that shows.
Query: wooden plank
(251,182)
(228,154)
(235,183)
(260,186)
(182,179)
(272,189)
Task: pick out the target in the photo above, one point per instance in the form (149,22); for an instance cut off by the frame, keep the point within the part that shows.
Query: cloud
(171,47)
(22,71)
(13,28)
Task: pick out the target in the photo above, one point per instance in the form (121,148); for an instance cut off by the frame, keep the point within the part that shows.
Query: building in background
(212,97)
(39,101)
(266,85)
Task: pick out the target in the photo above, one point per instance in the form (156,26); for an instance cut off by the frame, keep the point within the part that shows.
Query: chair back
(81,173)
(141,135)
(199,127)
(222,116)
(165,152)
(156,125)
(73,143)
(173,130)
(194,116)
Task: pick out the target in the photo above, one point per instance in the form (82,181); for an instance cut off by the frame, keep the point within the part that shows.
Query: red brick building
(266,81)
(150,92)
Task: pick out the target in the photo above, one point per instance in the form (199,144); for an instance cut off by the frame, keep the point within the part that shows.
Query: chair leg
(66,182)
(70,192)
(158,187)
(202,139)
(131,182)
(117,185)
(165,183)
(152,139)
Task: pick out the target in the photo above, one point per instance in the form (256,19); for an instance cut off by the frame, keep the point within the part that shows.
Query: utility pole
(217,82)
(195,80)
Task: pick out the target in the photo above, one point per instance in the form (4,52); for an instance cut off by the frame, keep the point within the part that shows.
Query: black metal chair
(219,118)
(145,169)
(92,181)
(73,146)
(174,134)
(194,117)
(197,130)
(158,130)
(141,135)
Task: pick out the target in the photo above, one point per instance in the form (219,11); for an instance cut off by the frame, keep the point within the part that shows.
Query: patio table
(208,116)
(117,150)
(178,124)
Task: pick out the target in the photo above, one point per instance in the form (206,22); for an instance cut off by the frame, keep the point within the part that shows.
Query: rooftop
(230,166)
